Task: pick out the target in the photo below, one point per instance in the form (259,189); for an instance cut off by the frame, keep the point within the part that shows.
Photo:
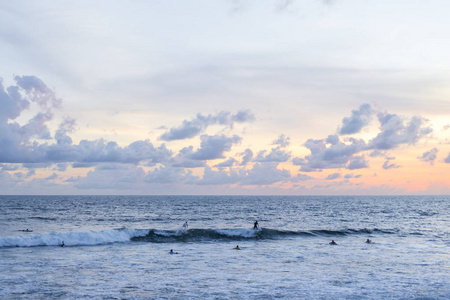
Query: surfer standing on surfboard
(255,225)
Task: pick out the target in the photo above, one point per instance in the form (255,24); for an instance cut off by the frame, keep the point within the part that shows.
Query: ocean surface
(117,247)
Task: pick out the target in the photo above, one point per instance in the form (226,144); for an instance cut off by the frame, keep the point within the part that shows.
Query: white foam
(73,238)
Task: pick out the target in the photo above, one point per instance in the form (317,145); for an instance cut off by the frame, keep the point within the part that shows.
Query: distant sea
(117,247)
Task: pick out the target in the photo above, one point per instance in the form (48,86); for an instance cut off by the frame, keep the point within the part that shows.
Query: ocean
(117,247)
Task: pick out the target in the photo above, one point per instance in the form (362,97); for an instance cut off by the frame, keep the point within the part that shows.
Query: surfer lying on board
(368,241)
(171,252)
(237,247)
(333,242)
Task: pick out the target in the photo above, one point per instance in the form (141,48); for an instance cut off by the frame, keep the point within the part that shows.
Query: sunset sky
(225,97)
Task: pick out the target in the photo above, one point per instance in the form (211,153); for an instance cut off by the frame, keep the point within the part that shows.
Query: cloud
(330,153)
(387,165)
(194,127)
(348,176)
(357,163)
(220,177)
(112,176)
(333,176)
(357,120)
(395,132)
(37,91)
(301,177)
(247,156)
(164,175)
(275,155)
(183,160)
(282,141)
(18,143)
(447,160)
(213,147)
(265,174)
(227,164)
(429,156)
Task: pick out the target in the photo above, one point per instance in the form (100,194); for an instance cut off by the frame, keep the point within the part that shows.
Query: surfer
(171,252)
(255,225)
(62,244)
(368,241)
(333,242)
(185,225)
(237,247)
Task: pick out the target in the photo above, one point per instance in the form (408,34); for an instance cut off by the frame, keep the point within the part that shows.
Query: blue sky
(224,97)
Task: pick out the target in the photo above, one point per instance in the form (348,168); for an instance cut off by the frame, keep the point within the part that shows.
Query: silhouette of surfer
(62,244)
(333,242)
(237,247)
(256,225)
(368,241)
(185,225)
(171,252)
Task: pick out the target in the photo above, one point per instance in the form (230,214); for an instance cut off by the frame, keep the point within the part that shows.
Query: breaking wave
(88,238)
(72,238)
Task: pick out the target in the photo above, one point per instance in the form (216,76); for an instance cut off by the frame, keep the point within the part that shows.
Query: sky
(232,97)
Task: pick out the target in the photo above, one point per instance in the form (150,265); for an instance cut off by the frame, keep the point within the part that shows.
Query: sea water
(117,247)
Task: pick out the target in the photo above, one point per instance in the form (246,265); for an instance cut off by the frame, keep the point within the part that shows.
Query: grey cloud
(165,175)
(228,163)
(333,176)
(52,177)
(395,132)
(348,176)
(9,167)
(447,160)
(282,141)
(113,177)
(357,163)
(18,145)
(247,156)
(429,156)
(265,174)
(275,155)
(357,120)
(196,126)
(329,156)
(301,177)
(220,177)
(387,165)
(183,160)
(213,147)
(37,91)
(332,153)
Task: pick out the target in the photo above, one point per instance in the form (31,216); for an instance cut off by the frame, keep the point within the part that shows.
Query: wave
(73,238)
(88,238)
(198,235)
